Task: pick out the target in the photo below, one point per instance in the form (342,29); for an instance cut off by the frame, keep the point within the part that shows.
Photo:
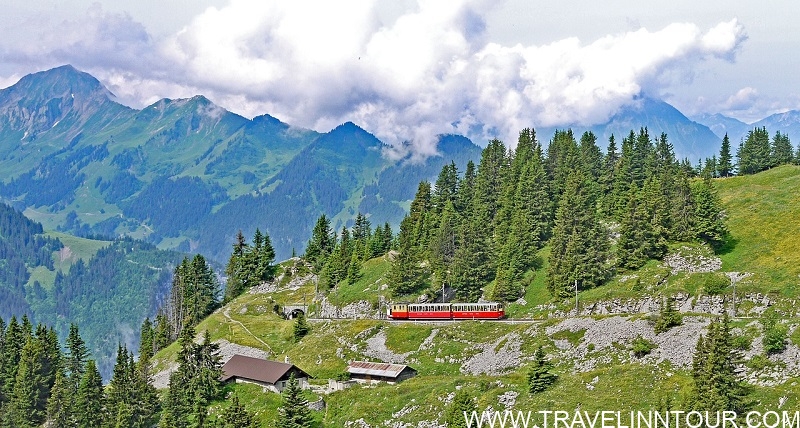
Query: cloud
(743,99)
(430,70)
(96,38)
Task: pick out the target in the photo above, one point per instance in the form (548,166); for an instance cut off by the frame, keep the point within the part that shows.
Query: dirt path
(227,314)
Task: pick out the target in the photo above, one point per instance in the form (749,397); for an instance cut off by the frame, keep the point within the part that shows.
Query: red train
(446,311)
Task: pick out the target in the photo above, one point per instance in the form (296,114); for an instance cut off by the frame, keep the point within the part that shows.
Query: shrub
(668,317)
(741,343)
(775,333)
(641,346)
(715,283)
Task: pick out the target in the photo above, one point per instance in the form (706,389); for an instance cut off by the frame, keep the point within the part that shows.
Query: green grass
(368,287)
(75,248)
(263,405)
(764,219)
(46,277)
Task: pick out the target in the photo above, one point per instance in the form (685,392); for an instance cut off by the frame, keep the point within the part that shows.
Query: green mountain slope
(186,174)
(764,217)
(593,355)
(107,288)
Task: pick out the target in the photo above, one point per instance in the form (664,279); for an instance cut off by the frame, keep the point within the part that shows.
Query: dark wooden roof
(257,369)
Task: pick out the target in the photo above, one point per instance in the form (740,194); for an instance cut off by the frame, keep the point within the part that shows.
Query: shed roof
(255,369)
(376,369)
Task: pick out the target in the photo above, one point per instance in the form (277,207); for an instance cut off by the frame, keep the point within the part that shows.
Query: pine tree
(76,356)
(668,317)
(90,400)
(716,386)
(29,399)
(754,154)
(782,152)
(236,416)
(120,390)
(443,244)
(321,243)
(683,214)
(724,165)
(461,408)
(237,280)
(300,328)
(146,401)
(13,342)
(60,404)
(579,243)
(294,413)
(405,272)
(539,376)
(608,178)
(709,219)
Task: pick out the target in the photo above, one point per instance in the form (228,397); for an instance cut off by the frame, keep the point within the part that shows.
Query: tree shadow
(726,246)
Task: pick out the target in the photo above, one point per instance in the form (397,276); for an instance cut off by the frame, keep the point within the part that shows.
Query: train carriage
(439,311)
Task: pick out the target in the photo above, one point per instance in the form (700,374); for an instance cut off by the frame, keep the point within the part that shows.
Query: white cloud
(743,99)
(316,63)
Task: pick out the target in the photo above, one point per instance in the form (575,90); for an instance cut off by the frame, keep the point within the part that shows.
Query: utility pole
(733,281)
(576,297)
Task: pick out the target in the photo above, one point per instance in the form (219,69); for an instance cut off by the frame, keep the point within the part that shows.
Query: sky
(407,70)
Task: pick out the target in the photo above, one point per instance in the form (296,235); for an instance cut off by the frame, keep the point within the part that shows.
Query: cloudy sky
(409,69)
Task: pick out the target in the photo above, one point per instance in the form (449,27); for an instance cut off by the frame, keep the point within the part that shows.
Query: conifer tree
(60,404)
(90,401)
(29,398)
(668,317)
(579,243)
(120,390)
(300,328)
(562,158)
(294,413)
(716,386)
(405,273)
(236,416)
(539,376)
(608,179)
(76,356)
(461,408)
(725,165)
(14,340)
(709,219)
(445,188)
(354,267)
(194,384)
(683,214)
(321,244)
(782,152)
(234,270)
(754,154)
(529,228)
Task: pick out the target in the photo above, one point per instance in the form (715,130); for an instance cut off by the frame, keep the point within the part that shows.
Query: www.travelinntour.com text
(632,419)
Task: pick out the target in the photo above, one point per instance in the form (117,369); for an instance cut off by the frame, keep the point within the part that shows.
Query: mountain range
(186,174)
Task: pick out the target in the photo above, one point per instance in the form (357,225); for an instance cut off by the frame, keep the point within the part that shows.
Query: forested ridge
(478,232)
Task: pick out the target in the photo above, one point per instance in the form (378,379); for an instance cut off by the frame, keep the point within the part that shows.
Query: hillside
(186,174)
(592,352)
(106,287)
